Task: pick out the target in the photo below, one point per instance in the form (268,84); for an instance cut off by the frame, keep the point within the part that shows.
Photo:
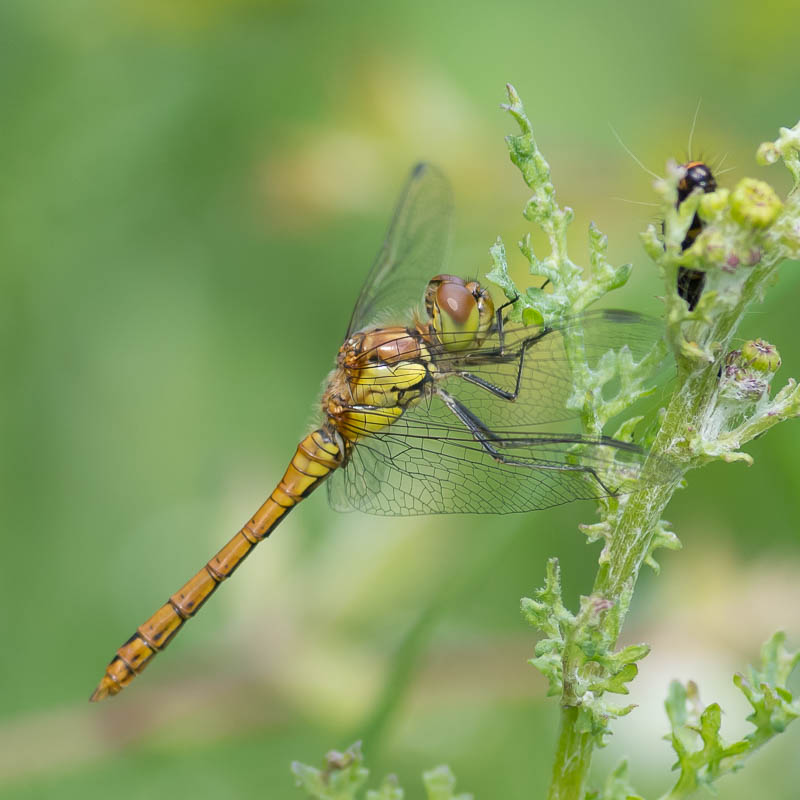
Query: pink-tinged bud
(747,372)
(761,356)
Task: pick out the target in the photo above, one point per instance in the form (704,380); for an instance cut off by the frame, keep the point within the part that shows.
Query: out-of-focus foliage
(703,755)
(344,775)
(191,196)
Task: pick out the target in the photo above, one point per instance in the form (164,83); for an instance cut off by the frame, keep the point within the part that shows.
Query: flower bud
(737,383)
(754,203)
(767,154)
(746,375)
(713,203)
(761,356)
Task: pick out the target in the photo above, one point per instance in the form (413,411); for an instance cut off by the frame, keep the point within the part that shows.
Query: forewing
(546,385)
(414,251)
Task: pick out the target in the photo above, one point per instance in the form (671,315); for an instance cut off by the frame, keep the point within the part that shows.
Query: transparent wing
(414,251)
(533,365)
(336,486)
(425,463)
(544,391)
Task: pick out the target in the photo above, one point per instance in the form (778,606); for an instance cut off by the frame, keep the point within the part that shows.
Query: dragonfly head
(460,313)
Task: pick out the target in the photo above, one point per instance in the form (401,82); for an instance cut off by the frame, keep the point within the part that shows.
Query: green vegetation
(721,400)
(192,194)
(344,775)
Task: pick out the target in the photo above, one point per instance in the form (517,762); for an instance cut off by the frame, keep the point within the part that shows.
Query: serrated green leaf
(703,756)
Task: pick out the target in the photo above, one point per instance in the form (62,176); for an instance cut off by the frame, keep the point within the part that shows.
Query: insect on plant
(697,176)
(433,407)
(720,399)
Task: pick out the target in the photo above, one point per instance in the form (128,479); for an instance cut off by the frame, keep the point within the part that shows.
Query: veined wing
(415,249)
(540,360)
(546,382)
(428,462)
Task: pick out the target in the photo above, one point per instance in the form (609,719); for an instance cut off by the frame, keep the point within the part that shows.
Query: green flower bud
(761,356)
(754,203)
(713,247)
(767,154)
(714,202)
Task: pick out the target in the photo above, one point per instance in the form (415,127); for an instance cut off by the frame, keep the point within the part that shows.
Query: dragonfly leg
(501,321)
(490,387)
(499,313)
(486,438)
(500,354)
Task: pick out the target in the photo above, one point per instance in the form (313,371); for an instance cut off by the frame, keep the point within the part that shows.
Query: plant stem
(619,571)
(573,757)
(636,523)
(721,401)
(634,531)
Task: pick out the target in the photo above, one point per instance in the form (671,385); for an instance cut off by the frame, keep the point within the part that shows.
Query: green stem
(573,758)
(636,524)
(618,573)
(746,234)
(634,531)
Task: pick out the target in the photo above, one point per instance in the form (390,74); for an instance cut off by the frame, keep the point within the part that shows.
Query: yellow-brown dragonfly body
(379,374)
(430,417)
(315,457)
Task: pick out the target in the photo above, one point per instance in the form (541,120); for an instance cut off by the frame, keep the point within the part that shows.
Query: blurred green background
(192,193)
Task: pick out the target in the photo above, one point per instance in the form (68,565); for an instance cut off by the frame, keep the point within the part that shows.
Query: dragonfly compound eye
(455,311)
(485,309)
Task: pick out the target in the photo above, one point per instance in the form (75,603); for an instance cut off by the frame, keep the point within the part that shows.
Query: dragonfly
(434,406)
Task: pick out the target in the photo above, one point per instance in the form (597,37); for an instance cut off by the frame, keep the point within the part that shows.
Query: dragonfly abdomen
(315,458)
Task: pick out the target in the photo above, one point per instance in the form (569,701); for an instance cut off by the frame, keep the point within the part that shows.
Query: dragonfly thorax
(388,345)
(380,372)
(460,313)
